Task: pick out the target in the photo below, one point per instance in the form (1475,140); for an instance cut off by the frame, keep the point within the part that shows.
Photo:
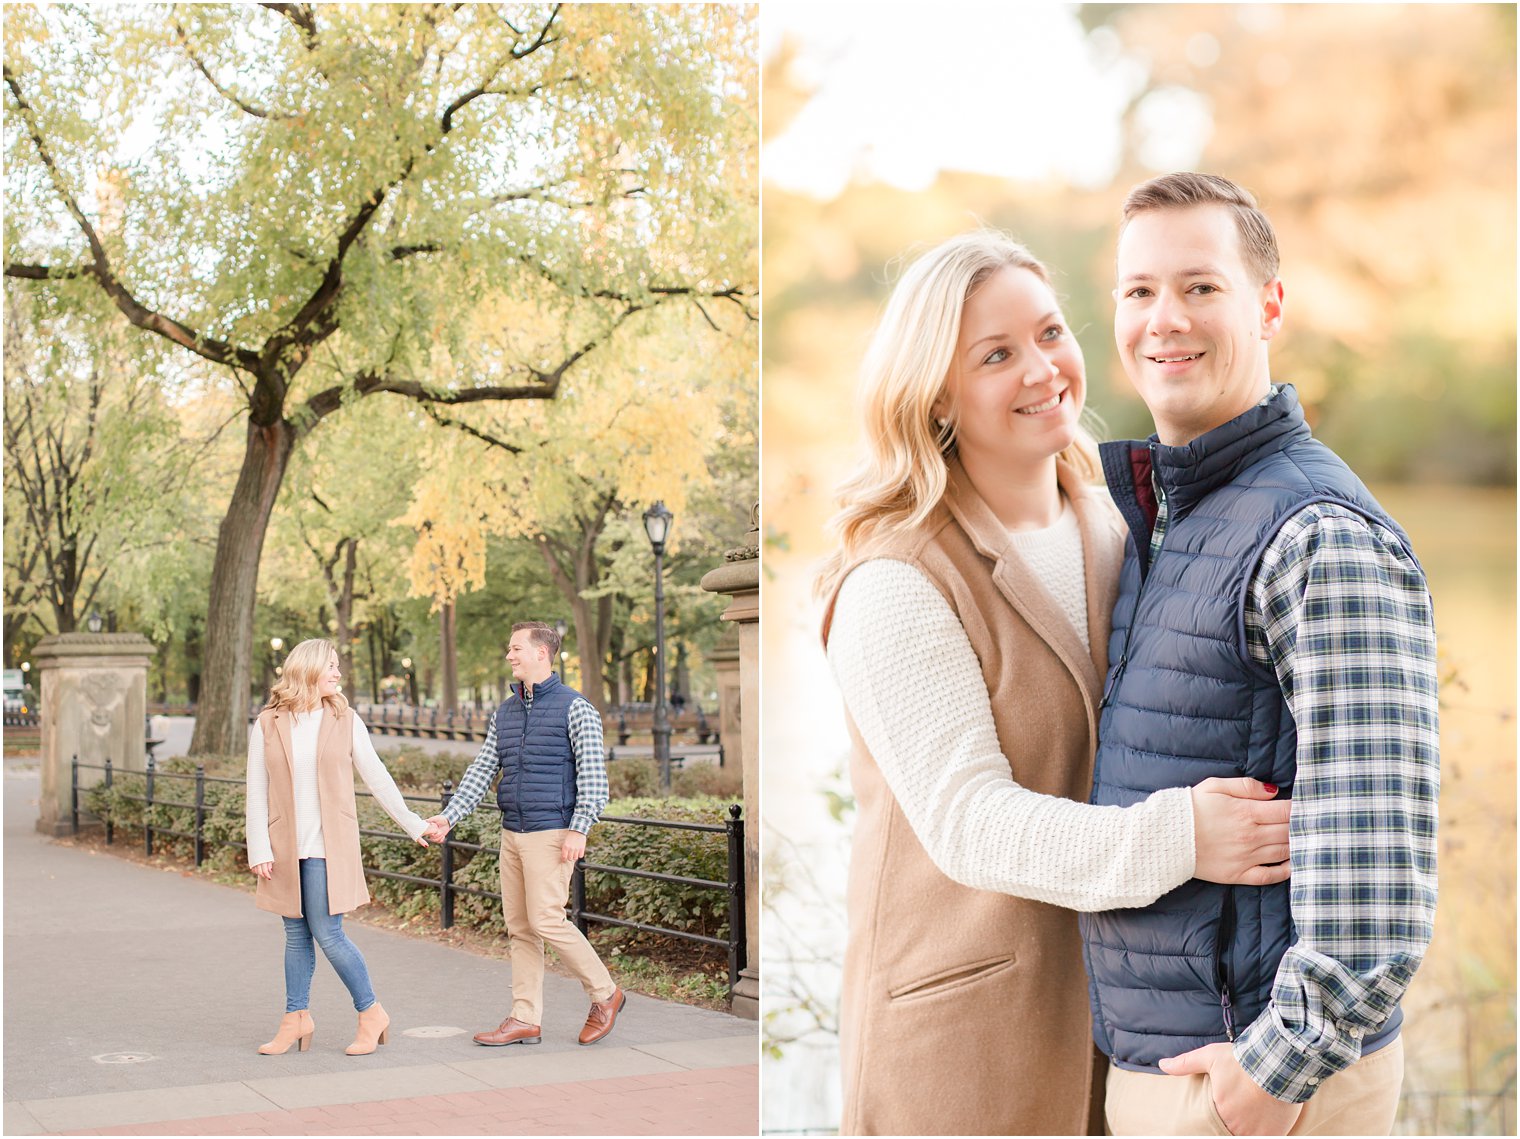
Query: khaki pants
(535,884)
(1361,1100)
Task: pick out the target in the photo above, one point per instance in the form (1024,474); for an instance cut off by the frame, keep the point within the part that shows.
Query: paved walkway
(135,998)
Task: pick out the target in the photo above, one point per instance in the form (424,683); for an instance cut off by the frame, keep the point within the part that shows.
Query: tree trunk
(586,636)
(448,659)
(343,611)
(374,667)
(221,719)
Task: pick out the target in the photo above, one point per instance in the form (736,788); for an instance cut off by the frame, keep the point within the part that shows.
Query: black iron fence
(448,889)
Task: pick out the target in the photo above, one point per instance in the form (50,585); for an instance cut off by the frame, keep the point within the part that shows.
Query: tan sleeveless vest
(965,1011)
(346,889)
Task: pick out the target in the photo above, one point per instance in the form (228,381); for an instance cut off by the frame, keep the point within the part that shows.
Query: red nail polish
(1271,787)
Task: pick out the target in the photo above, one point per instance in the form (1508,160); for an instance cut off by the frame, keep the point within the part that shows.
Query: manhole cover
(123,1058)
(432,1031)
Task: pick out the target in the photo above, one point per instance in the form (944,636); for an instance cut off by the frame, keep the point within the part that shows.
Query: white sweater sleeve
(932,734)
(380,783)
(256,802)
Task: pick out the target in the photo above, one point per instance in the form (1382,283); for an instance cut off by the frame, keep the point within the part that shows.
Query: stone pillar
(725,661)
(739,576)
(93,692)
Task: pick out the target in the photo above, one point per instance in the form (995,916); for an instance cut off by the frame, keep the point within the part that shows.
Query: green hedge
(690,854)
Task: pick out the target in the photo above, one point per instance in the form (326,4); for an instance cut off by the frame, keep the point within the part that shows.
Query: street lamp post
(657,521)
(411,680)
(275,645)
(562,628)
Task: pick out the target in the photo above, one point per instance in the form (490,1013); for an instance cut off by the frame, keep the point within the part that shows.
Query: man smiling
(1272,621)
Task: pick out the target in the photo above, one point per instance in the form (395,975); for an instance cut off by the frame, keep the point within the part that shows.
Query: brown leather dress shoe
(511,1031)
(602,1017)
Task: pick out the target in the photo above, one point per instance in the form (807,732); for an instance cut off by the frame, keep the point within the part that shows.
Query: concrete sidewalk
(135,999)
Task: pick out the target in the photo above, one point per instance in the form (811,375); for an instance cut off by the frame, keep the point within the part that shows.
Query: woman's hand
(265,870)
(1240,832)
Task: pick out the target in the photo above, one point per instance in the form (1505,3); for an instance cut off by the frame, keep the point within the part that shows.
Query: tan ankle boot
(293,1026)
(374,1026)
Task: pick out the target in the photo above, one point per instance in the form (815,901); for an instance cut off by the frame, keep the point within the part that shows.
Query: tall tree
(642,425)
(94,462)
(331,544)
(327,190)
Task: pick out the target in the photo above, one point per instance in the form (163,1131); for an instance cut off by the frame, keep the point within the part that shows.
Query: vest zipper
(1222,948)
(522,757)
(1118,670)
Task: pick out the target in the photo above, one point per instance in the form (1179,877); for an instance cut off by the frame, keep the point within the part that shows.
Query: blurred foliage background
(1381,142)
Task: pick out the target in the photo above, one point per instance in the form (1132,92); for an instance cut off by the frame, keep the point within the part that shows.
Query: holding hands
(438,828)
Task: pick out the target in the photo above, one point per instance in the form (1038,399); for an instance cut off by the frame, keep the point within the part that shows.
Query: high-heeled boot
(293,1026)
(374,1026)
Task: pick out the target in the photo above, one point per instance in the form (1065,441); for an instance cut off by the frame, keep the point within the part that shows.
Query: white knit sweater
(303,742)
(1054,553)
(914,688)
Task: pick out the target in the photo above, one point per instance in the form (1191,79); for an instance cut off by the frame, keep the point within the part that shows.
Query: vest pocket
(948,980)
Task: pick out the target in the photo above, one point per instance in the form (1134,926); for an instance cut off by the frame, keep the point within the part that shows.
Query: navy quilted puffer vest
(537,788)
(1184,701)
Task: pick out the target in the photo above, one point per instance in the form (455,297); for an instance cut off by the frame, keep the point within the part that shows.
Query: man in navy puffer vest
(546,742)
(1273,622)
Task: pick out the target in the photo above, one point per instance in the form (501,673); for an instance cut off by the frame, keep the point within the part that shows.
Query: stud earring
(942,421)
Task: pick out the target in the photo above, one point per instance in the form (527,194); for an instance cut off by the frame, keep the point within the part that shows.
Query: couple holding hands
(1153,767)
(303,832)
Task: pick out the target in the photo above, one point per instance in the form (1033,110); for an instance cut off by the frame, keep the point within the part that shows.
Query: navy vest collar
(1189,473)
(548,684)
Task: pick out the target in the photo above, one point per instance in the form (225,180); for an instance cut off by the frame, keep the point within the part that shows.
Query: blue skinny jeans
(324,929)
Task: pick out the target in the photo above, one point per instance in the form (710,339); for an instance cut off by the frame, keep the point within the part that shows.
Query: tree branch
(490,440)
(543,37)
(46,272)
(217,351)
(326,402)
(303,16)
(231,97)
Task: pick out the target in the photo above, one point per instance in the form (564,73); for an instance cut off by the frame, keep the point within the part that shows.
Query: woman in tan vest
(303,834)
(967,611)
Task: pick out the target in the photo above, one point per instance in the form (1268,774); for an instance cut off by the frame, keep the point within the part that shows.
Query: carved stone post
(93,689)
(739,696)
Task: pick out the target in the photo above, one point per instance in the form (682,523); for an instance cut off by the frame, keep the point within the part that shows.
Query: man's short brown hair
(542,634)
(1258,241)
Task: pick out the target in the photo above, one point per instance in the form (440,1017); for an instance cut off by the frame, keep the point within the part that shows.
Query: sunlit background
(1381,141)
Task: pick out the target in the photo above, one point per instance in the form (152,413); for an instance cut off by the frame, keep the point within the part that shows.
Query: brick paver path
(713,1101)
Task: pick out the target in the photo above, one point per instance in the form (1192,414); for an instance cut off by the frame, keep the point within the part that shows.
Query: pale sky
(1017,91)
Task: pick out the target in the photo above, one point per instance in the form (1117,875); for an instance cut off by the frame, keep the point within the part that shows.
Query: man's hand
(573,847)
(1239,832)
(438,828)
(264,870)
(1244,1107)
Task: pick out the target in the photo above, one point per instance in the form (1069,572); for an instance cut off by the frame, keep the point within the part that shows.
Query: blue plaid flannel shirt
(585,726)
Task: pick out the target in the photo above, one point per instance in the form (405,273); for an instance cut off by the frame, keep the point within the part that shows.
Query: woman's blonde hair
(296,686)
(904,373)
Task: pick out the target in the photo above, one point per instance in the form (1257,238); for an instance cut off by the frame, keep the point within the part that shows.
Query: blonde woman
(966,617)
(303,834)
